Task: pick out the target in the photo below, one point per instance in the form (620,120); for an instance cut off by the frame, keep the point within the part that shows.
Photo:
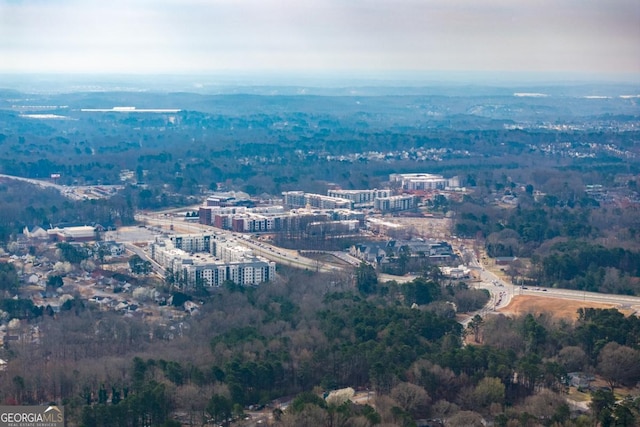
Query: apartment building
(223,260)
(192,242)
(300,199)
(274,218)
(360,198)
(215,273)
(395,203)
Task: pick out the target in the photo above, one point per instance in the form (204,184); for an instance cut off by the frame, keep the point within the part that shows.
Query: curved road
(501,291)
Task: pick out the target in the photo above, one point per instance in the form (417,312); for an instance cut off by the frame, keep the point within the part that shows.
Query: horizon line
(351,73)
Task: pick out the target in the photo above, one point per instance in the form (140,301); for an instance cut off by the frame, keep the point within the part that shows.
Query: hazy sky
(199,36)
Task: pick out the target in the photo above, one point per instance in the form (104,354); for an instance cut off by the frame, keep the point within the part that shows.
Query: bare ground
(426,227)
(557,307)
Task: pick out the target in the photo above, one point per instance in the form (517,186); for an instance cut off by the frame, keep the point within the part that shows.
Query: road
(273,253)
(265,416)
(157,268)
(501,291)
(38,182)
(623,300)
(75,192)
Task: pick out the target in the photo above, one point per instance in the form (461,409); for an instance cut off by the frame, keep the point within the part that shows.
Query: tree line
(309,333)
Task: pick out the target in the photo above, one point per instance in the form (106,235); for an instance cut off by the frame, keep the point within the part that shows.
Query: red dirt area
(557,307)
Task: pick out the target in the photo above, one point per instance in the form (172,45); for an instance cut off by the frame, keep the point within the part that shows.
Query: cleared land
(560,308)
(426,227)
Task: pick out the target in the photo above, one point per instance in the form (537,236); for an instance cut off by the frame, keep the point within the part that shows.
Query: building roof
(76,232)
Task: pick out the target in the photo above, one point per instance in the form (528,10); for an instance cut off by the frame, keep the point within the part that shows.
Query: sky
(593,37)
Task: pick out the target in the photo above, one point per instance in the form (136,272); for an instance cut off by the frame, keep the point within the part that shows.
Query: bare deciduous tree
(310,416)
(619,364)
(412,398)
(573,358)
(489,390)
(543,404)
(465,419)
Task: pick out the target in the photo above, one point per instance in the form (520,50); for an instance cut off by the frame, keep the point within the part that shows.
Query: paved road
(157,268)
(501,291)
(491,280)
(75,192)
(623,300)
(38,182)
(273,253)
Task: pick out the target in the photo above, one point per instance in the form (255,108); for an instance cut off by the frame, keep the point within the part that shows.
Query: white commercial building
(423,181)
(73,234)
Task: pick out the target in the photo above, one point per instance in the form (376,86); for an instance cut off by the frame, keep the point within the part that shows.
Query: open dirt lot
(426,227)
(560,308)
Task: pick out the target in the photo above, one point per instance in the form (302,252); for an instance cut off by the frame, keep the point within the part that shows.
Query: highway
(262,249)
(75,192)
(501,291)
(623,300)
(38,182)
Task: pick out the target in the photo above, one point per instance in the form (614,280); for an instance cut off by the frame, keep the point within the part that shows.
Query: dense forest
(249,346)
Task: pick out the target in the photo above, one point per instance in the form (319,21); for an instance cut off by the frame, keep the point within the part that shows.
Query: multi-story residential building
(192,242)
(215,273)
(360,197)
(222,260)
(395,203)
(207,214)
(347,214)
(299,199)
(252,223)
(164,253)
(333,227)
(294,199)
(230,251)
(423,181)
(274,218)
